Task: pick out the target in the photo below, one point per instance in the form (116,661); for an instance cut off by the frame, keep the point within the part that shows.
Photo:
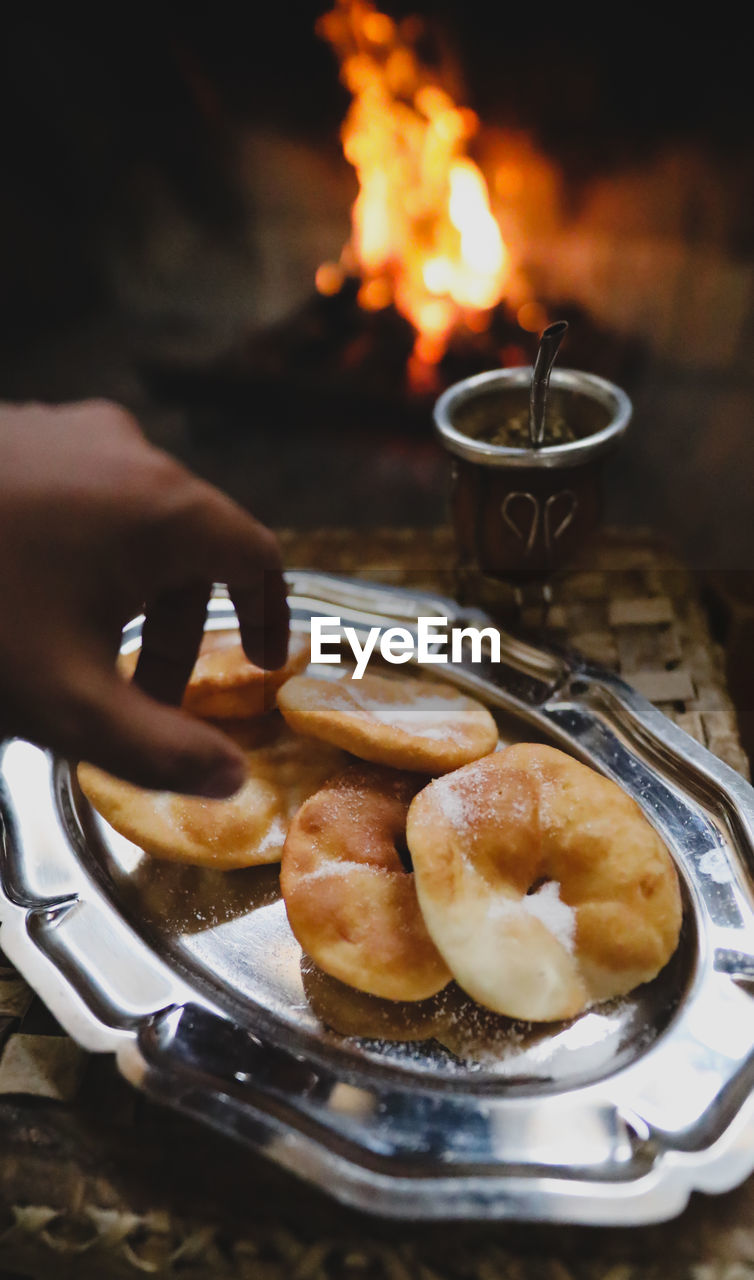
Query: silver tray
(194,981)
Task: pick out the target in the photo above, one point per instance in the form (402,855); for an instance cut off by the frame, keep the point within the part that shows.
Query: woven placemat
(631,606)
(97,1182)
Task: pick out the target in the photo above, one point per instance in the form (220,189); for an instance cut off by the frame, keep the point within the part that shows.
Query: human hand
(97,525)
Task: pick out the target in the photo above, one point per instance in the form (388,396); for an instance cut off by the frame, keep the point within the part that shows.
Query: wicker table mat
(97,1182)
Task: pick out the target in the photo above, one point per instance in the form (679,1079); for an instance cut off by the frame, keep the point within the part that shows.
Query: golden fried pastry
(224,685)
(350,901)
(245,830)
(450,1017)
(405,723)
(354,1013)
(542,884)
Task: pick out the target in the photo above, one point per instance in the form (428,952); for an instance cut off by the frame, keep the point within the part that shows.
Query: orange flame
(423,235)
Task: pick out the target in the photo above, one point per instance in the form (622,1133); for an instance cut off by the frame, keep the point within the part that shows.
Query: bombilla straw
(549,341)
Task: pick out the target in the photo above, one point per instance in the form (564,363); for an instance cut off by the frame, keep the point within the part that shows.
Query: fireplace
(177,226)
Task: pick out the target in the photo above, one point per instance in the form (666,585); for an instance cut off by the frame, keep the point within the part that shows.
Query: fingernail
(223,780)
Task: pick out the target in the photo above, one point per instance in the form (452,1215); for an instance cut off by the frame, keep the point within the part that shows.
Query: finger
(227,545)
(263,618)
(162,748)
(104,415)
(170,639)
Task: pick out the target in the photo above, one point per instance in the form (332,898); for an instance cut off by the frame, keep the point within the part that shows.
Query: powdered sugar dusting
(274,836)
(459,797)
(342,867)
(715,865)
(451,801)
(548,907)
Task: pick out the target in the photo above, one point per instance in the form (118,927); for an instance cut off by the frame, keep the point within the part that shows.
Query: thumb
(160,747)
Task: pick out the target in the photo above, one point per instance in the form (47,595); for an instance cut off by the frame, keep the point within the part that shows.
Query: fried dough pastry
(404,723)
(350,901)
(224,685)
(542,884)
(355,1013)
(247,829)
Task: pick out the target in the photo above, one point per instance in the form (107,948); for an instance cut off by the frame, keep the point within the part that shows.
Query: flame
(423,235)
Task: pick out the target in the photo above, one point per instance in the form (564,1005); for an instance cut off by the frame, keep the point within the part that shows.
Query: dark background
(153,169)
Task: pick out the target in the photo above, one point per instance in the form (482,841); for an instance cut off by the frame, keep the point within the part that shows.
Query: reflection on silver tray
(193,979)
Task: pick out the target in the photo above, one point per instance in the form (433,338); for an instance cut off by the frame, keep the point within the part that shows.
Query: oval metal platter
(194,981)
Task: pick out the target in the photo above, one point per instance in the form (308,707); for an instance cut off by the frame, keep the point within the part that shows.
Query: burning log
(423,236)
(333,364)
(426,291)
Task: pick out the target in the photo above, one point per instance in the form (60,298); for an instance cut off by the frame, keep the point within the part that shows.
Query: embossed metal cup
(520,513)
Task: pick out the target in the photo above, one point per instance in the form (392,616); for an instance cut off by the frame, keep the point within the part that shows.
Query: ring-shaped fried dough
(247,829)
(403,723)
(350,901)
(224,685)
(542,884)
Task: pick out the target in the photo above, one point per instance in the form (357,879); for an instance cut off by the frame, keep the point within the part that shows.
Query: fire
(423,235)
